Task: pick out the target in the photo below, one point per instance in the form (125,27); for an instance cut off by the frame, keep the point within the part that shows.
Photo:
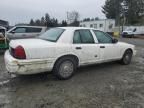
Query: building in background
(4,23)
(105,25)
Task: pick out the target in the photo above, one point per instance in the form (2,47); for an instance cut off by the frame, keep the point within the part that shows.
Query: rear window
(52,34)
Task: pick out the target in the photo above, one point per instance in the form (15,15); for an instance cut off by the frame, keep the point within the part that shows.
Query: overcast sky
(21,11)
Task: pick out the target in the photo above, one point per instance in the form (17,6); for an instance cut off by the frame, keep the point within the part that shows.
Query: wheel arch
(70,56)
(130,49)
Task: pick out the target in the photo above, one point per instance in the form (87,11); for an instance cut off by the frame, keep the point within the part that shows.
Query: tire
(65,67)
(123,36)
(131,36)
(127,57)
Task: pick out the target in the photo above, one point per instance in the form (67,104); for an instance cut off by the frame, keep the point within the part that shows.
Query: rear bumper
(24,67)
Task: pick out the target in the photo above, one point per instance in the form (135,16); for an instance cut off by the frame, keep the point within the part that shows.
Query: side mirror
(13,32)
(134,30)
(114,41)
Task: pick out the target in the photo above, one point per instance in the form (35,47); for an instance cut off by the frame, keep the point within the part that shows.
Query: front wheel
(64,68)
(127,57)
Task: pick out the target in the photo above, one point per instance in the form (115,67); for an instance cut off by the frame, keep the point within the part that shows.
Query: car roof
(32,26)
(76,28)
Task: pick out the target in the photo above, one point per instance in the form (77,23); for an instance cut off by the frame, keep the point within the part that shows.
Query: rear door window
(83,36)
(33,30)
(76,38)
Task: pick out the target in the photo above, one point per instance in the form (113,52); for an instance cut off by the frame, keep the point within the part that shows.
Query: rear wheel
(65,68)
(127,57)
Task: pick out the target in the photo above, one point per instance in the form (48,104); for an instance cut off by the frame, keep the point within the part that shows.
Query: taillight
(19,53)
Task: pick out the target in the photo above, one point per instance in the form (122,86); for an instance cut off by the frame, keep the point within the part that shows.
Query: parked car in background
(2,31)
(129,32)
(133,31)
(22,32)
(3,40)
(61,50)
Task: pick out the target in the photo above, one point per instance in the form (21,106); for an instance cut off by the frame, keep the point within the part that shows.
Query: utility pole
(67,16)
(124,9)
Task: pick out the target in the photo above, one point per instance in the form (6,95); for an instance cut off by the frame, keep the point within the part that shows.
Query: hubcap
(127,58)
(66,68)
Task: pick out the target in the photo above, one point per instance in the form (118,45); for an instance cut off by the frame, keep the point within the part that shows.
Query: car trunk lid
(34,48)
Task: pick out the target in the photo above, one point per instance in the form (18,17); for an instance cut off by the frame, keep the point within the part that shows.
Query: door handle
(102,46)
(96,56)
(78,48)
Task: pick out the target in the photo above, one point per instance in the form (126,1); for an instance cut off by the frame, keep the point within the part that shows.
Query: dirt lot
(108,85)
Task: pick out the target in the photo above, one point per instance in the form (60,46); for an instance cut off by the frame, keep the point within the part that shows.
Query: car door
(17,33)
(84,47)
(108,49)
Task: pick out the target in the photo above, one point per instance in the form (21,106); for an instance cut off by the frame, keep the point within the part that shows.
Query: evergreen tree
(96,18)
(64,23)
(47,20)
(135,9)
(132,10)
(32,23)
(42,21)
(112,9)
(37,22)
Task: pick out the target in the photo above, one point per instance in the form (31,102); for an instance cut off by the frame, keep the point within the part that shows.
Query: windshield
(52,34)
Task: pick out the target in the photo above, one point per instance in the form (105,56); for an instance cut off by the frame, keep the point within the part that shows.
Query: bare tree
(73,16)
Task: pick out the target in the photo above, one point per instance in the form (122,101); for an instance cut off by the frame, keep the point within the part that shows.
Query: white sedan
(63,49)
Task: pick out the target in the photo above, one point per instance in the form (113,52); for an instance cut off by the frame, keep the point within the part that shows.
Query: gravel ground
(108,85)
